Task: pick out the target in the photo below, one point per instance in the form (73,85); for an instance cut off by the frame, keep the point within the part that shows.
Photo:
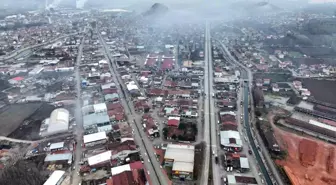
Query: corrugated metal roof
(92,119)
(100,158)
(56,145)
(183,166)
(58,157)
(94,137)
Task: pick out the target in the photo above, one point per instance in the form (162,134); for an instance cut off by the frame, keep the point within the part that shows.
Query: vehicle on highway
(216,159)
(148,172)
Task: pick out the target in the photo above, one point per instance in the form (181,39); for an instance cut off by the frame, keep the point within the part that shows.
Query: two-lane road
(247,95)
(151,164)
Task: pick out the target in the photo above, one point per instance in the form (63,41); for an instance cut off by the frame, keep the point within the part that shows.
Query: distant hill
(156,10)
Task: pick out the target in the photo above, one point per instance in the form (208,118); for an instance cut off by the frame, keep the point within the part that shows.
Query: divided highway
(207,111)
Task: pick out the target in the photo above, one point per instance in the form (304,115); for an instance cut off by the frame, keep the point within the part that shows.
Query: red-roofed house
(173,121)
(16,80)
(167,64)
(112,106)
(150,62)
(150,126)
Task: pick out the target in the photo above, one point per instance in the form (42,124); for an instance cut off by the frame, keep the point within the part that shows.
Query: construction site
(309,160)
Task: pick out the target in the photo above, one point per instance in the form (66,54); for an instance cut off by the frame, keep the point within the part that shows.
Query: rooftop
(183,156)
(54,177)
(94,137)
(100,158)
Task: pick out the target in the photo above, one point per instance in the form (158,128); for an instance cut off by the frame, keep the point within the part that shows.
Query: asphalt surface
(215,145)
(146,149)
(207,111)
(247,92)
(27,50)
(79,131)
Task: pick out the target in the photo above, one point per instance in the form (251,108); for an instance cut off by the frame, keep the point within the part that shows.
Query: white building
(181,159)
(231,139)
(55,178)
(94,139)
(59,121)
(100,158)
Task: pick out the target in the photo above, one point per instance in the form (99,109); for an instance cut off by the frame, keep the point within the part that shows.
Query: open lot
(322,90)
(30,128)
(309,161)
(12,116)
(275,77)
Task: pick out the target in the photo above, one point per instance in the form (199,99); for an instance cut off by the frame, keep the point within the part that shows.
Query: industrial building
(181,159)
(100,159)
(63,158)
(94,120)
(313,126)
(231,140)
(57,123)
(94,139)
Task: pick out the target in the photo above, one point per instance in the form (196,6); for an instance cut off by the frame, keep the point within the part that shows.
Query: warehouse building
(181,159)
(63,158)
(95,139)
(231,141)
(57,123)
(102,159)
(95,120)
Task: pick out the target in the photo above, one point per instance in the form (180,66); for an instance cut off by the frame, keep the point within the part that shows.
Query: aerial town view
(167,92)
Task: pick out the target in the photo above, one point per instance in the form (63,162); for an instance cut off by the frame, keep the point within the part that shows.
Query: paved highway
(247,92)
(215,146)
(79,131)
(156,174)
(207,111)
(28,49)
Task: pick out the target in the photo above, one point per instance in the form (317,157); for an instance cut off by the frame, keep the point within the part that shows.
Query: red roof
(124,178)
(145,73)
(167,63)
(150,61)
(157,92)
(109,182)
(229,123)
(110,91)
(119,117)
(111,106)
(19,78)
(136,165)
(173,122)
